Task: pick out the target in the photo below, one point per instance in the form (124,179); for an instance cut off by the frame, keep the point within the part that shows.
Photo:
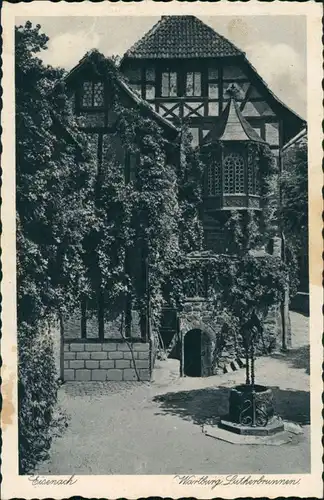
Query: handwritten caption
(44,481)
(234,480)
(188,480)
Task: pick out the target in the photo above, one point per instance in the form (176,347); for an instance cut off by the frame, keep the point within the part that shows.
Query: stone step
(172,344)
(234,365)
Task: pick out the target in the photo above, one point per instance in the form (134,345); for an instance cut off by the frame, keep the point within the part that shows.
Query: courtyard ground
(157,428)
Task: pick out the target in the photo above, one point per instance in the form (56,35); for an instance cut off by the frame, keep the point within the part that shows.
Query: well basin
(240,405)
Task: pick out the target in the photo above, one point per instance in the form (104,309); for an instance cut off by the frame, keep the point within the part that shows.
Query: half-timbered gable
(184,68)
(94,86)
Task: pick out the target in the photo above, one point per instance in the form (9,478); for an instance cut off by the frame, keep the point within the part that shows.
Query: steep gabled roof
(296,139)
(232,126)
(273,95)
(181,37)
(94,58)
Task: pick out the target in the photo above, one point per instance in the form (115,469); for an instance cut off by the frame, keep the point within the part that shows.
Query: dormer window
(92,95)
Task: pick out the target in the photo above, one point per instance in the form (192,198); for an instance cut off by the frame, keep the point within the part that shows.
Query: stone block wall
(84,361)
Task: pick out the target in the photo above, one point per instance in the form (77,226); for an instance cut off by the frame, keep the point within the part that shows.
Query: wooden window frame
(93,107)
(213,173)
(178,91)
(233,172)
(198,283)
(132,81)
(130,174)
(194,73)
(145,81)
(218,81)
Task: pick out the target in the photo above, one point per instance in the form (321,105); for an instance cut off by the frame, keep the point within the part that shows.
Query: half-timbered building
(184,69)
(180,73)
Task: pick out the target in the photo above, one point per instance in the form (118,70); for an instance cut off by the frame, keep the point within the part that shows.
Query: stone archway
(201,341)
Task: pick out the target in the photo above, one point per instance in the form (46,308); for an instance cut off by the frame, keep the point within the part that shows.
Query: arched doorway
(192,353)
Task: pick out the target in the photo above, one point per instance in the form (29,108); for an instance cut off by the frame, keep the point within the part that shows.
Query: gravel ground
(142,428)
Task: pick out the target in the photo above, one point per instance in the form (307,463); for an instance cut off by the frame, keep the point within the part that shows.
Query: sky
(275,45)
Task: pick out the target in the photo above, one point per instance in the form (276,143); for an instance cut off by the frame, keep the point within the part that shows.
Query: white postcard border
(14,485)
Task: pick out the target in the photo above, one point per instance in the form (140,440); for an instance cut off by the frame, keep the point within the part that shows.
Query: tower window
(169,84)
(256,179)
(251,178)
(213,179)
(93,94)
(193,84)
(234,178)
(253,173)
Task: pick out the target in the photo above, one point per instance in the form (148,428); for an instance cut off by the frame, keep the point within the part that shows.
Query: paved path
(131,428)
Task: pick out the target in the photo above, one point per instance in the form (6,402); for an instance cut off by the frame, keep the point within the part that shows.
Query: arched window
(234,177)
(213,179)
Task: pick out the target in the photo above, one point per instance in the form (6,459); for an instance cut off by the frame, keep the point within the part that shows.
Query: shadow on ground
(207,406)
(297,358)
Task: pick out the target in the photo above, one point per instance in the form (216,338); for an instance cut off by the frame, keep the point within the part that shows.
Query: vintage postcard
(161,250)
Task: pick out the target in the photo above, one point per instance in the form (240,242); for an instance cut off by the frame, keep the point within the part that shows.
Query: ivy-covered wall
(150,216)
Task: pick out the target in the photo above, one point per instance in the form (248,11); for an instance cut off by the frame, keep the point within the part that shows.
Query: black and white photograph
(162,272)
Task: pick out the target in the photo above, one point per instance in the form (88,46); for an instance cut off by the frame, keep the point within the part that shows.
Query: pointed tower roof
(232,126)
(181,37)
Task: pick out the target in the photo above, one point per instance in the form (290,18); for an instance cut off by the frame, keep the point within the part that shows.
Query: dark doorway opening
(192,353)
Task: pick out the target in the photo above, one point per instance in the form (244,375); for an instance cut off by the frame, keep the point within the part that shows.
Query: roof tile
(181,36)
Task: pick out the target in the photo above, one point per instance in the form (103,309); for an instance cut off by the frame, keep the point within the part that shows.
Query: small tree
(248,289)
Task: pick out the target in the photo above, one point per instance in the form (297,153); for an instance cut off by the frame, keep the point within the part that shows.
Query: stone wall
(84,361)
(220,348)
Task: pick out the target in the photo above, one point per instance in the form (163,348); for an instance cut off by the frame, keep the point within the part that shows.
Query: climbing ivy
(245,281)
(146,225)
(54,207)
